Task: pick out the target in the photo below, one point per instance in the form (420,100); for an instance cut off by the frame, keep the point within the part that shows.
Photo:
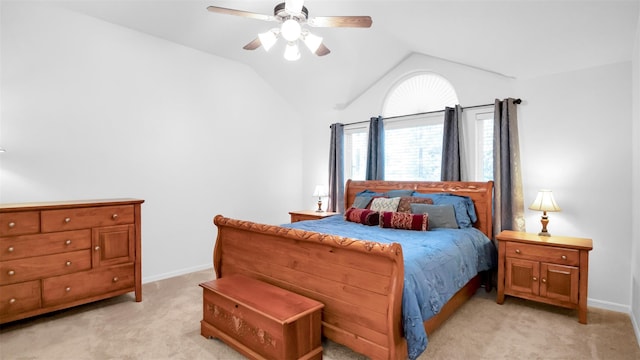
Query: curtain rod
(516,101)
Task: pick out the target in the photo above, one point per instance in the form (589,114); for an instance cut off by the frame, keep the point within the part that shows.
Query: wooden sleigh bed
(359,282)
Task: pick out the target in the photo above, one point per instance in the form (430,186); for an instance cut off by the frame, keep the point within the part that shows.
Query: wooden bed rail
(359,282)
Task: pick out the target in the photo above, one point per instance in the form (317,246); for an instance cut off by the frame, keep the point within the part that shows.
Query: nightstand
(549,269)
(309,215)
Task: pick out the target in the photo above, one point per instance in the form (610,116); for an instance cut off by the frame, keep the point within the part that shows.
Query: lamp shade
(545,202)
(320,191)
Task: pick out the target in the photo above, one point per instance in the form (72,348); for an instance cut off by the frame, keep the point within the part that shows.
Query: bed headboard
(480,192)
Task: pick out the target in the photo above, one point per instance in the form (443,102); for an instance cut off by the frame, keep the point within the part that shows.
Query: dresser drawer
(67,288)
(555,255)
(18,247)
(16,271)
(80,218)
(19,223)
(18,298)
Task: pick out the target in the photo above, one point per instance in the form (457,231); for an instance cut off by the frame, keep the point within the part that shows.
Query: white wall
(574,133)
(635,165)
(92,110)
(575,140)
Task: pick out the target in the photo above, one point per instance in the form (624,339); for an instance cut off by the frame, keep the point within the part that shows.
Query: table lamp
(544,202)
(320,191)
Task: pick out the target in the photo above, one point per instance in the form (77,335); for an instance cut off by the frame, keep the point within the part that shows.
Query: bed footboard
(359,282)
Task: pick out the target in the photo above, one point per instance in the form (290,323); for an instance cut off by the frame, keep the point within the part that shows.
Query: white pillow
(385,204)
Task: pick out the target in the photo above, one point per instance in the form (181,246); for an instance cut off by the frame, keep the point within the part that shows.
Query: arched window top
(419,93)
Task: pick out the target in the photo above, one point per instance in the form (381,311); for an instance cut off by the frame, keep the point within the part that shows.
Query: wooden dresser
(56,255)
(549,269)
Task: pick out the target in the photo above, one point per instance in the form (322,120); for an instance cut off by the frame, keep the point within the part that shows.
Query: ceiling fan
(292,15)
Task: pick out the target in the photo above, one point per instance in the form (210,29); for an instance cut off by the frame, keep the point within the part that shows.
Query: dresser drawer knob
(67,220)
(535,278)
(115,279)
(10,249)
(12,301)
(544,280)
(114,216)
(12,224)
(517,251)
(97,248)
(564,257)
(68,242)
(11,272)
(67,289)
(68,263)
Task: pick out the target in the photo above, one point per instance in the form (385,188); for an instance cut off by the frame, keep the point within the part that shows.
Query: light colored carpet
(166,325)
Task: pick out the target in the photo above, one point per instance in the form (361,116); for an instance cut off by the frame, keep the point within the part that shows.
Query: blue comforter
(437,263)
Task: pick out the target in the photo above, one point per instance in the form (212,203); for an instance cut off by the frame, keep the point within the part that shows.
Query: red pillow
(362,216)
(407,221)
(406,201)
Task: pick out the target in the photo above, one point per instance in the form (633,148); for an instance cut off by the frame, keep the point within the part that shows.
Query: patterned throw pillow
(385,204)
(362,216)
(405,203)
(407,221)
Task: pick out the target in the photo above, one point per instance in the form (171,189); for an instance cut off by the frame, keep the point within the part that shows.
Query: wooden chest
(260,320)
(56,255)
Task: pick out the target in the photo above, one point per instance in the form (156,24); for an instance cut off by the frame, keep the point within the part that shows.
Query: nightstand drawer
(555,255)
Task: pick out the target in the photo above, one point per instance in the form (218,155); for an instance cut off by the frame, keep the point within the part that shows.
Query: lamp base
(544,233)
(319,206)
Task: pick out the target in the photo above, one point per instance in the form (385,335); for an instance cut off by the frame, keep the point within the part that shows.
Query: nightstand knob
(544,280)
(114,216)
(12,224)
(10,249)
(11,272)
(115,279)
(535,278)
(68,242)
(67,220)
(67,289)
(517,251)
(68,263)
(564,257)
(96,248)
(12,301)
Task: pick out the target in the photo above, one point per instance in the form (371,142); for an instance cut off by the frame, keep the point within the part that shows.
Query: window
(413,144)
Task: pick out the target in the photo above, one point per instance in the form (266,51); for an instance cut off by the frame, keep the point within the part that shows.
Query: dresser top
(6,207)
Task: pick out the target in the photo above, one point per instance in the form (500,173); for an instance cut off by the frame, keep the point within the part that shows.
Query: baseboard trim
(609,306)
(177,273)
(636,327)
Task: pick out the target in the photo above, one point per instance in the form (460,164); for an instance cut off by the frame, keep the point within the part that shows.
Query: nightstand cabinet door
(522,276)
(559,282)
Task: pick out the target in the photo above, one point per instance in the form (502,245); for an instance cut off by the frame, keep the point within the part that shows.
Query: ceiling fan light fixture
(268,39)
(312,41)
(291,30)
(293,6)
(292,52)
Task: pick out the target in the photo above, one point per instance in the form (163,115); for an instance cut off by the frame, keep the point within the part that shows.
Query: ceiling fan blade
(322,50)
(247,14)
(253,44)
(341,21)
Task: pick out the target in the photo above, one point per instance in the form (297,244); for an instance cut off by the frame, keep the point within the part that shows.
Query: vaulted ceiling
(516,38)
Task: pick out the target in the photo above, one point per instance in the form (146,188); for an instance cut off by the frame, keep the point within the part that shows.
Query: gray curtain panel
(450,168)
(336,169)
(375,149)
(508,197)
